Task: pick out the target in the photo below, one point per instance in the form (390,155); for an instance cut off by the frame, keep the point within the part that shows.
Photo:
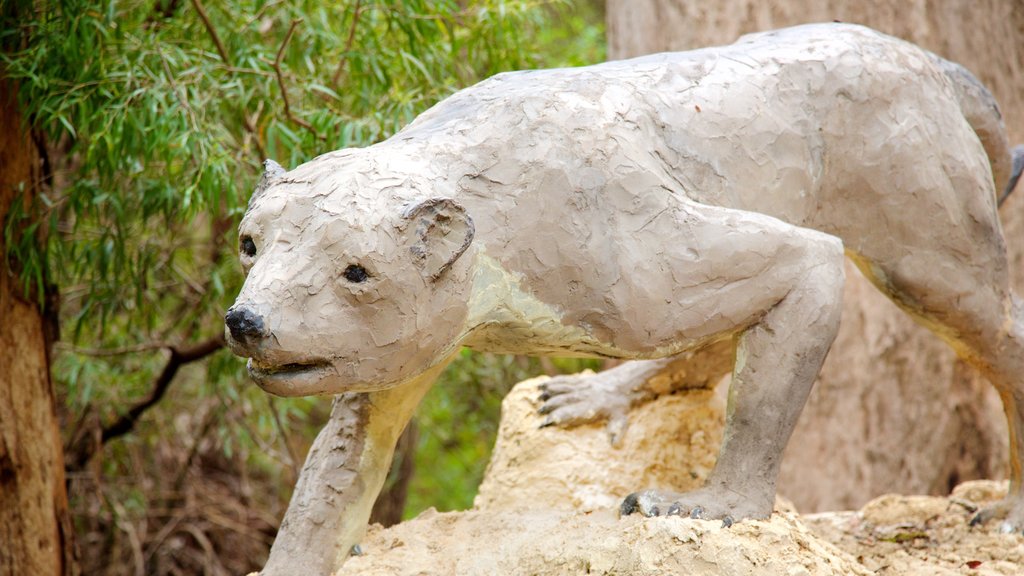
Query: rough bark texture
(894,410)
(35,527)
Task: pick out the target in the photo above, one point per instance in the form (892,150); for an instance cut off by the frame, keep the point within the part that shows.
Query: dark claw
(727,522)
(655,511)
(544,396)
(629,505)
(545,409)
(697,513)
(674,510)
(976,520)
(547,422)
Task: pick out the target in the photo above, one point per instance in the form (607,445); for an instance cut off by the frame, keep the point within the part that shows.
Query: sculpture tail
(980,109)
(1018,167)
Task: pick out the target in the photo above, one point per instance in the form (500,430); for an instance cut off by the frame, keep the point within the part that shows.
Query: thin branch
(282,431)
(284,43)
(348,44)
(259,13)
(100,352)
(281,85)
(179,94)
(250,127)
(179,357)
(250,123)
(237,70)
(80,454)
(198,5)
(162,11)
(46,165)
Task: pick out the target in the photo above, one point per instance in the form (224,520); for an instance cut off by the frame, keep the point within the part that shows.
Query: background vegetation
(153,117)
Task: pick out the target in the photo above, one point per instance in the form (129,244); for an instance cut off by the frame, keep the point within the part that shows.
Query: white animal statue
(638,209)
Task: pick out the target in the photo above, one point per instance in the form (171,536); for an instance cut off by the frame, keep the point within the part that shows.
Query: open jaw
(292,379)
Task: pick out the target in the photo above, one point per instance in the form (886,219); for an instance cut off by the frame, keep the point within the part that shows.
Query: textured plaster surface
(859,435)
(641,209)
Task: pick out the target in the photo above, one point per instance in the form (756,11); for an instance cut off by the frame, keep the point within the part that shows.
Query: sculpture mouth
(302,378)
(265,369)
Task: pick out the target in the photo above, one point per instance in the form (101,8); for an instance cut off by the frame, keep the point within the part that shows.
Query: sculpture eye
(247,246)
(356,273)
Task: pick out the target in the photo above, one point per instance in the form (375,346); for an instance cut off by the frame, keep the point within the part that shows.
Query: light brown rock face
(534,468)
(541,511)
(893,408)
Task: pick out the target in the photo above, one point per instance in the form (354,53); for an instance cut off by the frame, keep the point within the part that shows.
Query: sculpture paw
(1009,512)
(573,400)
(703,504)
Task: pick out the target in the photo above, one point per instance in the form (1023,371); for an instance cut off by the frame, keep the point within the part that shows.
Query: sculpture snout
(244,324)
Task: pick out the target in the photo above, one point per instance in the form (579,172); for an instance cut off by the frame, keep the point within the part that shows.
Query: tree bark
(35,527)
(893,409)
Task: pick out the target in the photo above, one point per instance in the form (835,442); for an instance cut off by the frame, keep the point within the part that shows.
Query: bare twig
(80,454)
(198,5)
(348,44)
(188,280)
(179,94)
(250,123)
(178,515)
(162,11)
(100,352)
(179,357)
(293,458)
(259,13)
(123,522)
(209,419)
(281,85)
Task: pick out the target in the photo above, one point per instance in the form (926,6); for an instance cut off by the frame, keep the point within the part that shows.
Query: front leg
(343,474)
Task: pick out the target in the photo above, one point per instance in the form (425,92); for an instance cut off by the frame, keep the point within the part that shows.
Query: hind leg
(777,359)
(962,293)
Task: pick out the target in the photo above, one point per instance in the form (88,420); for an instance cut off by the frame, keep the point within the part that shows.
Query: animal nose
(243,323)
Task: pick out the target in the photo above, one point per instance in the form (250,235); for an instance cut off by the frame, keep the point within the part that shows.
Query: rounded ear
(271,170)
(441,232)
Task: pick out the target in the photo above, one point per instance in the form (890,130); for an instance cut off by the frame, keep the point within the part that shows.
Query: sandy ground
(548,507)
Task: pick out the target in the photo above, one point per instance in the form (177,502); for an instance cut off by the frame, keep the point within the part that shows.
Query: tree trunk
(35,528)
(893,409)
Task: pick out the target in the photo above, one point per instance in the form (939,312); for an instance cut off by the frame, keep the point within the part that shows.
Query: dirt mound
(925,535)
(563,543)
(548,507)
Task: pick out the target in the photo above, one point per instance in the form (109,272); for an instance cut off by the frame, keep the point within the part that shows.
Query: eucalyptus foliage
(158,115)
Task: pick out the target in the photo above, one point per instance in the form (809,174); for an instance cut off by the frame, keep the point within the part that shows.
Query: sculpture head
(355,277)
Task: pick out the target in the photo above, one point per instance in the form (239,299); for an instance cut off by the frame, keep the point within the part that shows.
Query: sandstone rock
(672,442)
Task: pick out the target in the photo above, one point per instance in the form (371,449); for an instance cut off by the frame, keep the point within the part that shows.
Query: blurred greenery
(157,115)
